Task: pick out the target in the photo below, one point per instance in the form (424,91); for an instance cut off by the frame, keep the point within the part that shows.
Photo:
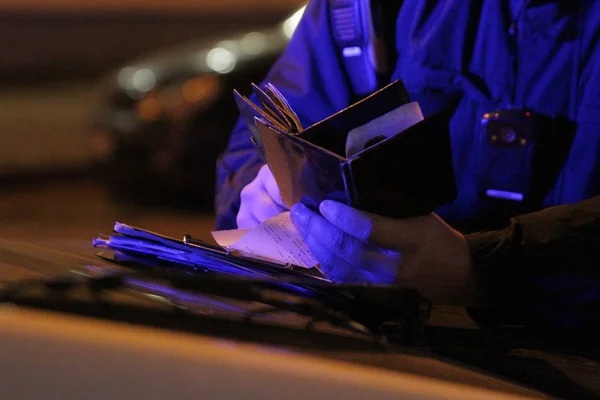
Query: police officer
(473,56)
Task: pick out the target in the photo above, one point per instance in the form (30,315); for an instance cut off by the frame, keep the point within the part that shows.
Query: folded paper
(275,240)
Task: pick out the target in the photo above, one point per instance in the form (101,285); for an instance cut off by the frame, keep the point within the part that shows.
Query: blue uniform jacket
(453,50)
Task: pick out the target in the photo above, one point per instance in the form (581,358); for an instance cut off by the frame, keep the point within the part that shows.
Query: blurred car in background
(164,119)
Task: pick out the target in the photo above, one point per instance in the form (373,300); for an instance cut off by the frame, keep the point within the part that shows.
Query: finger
(245,220)
(264,208)
(350,220)
(257,202)
(389,233)
(335,240)
(368,263)
(333,267)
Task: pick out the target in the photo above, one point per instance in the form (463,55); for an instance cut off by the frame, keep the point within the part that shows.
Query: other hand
(260,200)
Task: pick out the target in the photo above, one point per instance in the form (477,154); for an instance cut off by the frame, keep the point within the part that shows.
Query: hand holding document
(276,239)
(347,157)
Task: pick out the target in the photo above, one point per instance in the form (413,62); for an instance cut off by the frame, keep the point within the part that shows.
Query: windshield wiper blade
(365,309)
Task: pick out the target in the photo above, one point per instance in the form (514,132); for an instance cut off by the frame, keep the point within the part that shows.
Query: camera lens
(508,135)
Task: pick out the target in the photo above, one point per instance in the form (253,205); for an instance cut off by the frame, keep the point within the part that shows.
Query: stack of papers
(242,254)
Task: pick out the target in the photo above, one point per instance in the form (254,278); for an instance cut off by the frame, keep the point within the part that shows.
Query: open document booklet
(379,155)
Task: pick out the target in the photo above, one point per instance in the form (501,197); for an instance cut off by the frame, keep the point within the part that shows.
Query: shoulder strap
(365,34)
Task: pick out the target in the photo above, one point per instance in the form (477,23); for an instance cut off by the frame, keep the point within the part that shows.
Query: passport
(378,155)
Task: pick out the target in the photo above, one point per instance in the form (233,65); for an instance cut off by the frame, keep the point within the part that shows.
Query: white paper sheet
(228,237)
(387,125)
(276,239)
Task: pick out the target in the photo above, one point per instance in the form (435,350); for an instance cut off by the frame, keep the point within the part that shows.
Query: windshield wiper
(381,312)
